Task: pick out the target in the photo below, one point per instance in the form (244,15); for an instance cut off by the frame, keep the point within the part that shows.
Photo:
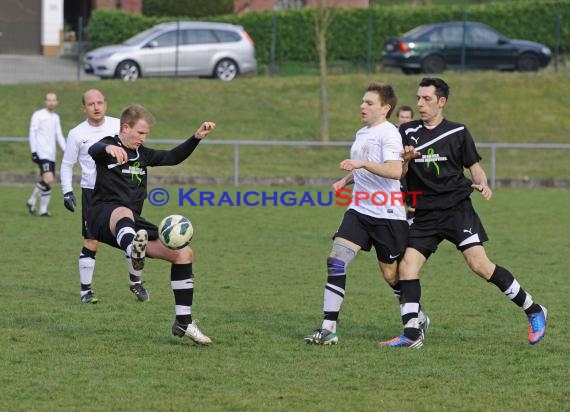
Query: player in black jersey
(444,211)
(120,190)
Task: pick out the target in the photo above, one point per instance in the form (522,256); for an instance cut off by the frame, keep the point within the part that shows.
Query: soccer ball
(175,231)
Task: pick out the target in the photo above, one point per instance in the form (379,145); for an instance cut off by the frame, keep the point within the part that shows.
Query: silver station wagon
(177,49)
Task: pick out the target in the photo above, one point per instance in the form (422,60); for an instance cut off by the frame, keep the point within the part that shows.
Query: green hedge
(195,8)
(349,33)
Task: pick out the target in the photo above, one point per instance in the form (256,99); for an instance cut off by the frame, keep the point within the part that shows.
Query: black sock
(507,284)
(411,293)
(125,232)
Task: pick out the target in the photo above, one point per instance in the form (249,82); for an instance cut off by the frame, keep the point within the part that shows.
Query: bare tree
(323,19)
(325,12)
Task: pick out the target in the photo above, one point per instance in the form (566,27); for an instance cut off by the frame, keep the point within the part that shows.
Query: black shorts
(86,196)
(459,224)
(388,236)
(46,166)
(98,224)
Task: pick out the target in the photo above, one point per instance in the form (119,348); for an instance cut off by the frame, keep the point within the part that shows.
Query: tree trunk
(323,19)
(324,101)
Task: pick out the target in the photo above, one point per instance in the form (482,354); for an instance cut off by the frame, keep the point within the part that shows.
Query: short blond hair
(135,112)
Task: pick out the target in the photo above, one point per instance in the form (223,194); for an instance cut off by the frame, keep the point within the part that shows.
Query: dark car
(432,48)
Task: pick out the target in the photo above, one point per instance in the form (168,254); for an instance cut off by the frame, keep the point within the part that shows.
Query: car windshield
(142,36)
(418,31)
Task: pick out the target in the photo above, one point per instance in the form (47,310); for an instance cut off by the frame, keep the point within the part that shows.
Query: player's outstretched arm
(181,152)
(204,129)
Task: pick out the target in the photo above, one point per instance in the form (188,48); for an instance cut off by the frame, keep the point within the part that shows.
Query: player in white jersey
(95,127)
(45,131)
(405,114)
(376,215)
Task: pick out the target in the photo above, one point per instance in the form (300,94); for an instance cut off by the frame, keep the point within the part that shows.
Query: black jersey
(439,174)
(126,184)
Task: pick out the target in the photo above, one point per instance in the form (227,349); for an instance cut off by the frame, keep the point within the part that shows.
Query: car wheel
(226,70)
(128,71)
(528,63)
(433,64)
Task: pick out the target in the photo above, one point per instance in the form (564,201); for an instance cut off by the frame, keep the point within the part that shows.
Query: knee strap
(44,186)
(341,255)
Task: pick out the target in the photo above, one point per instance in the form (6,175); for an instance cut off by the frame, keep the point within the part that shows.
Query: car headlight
(103,56)
(545,50)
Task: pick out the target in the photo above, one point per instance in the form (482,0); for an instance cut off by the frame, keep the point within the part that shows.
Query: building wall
(130,6)
(20,26)
(242,6)
(340,3)
(52,27)
(36,26)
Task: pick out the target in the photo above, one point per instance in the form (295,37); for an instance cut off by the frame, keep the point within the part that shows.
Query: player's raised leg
(478,261)
(134,245)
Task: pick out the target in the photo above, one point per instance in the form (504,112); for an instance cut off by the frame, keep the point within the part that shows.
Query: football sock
(35,194)
(182,282)
(125,230)
(341,255)
(411,294)
(397,292)
(134,275)
(86,268)
(45,197)
(507,284)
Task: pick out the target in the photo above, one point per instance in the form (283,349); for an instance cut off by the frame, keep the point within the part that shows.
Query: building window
(289,4)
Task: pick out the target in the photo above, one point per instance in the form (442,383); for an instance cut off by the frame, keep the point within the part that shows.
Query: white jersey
(79,140)
(45,130)
(377,144)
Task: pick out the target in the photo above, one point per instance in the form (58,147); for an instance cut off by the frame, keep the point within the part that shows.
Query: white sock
(44,202)
(34,196)
(86,269)
(329,325)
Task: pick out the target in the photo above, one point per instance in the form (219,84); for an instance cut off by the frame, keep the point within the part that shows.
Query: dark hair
(386,94)
(441,87)
(404,109)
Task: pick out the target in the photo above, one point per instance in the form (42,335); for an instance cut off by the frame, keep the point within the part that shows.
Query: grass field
(259,279)
(497,107)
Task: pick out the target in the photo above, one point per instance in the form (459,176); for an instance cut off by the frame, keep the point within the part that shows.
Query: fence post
(79,46)
(557,37)
(369,51)
(493,166)
(463,41)
(272,68)
(176,54)
(236,164)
